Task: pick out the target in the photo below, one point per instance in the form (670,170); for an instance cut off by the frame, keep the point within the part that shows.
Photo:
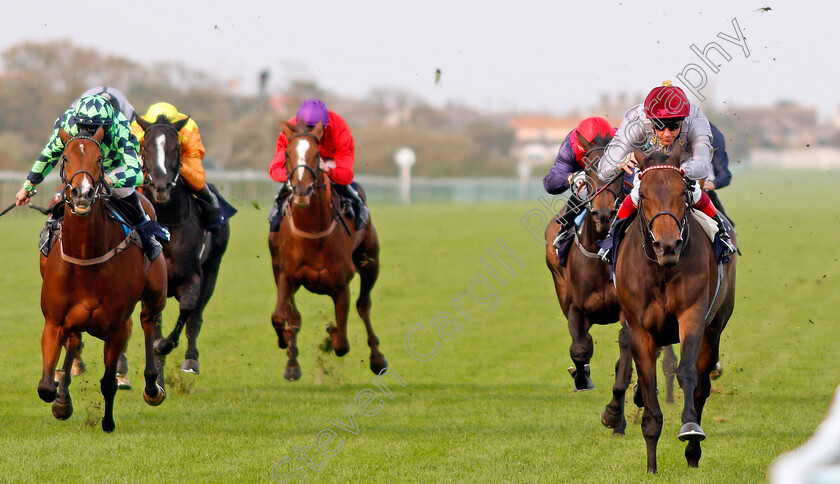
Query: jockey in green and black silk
(119,153)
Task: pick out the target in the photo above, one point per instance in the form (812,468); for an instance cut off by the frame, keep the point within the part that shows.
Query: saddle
(341,206)
(566,239)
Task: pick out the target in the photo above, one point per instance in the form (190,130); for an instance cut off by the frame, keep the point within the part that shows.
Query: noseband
(148,179)
(647,225)
(97,183)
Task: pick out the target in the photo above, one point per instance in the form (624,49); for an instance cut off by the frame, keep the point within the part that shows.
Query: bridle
(316,172)
(606,186)
(148,179)
(646,226)
(98,184)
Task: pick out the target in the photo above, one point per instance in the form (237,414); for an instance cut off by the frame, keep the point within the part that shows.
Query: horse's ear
(144,125)
(99,134)
(318,130)
(641,159)
(179,125)
(64,135)
(586,144)
(287,129)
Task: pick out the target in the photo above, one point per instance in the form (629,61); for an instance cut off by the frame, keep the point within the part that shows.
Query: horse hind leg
(613,415)
(62,406)
(367,264)
(210,273)
(669,368)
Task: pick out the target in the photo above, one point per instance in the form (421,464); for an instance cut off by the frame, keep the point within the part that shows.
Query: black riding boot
(140,220)
(567,220)
(728,247)
(605,251)
(208,209)
(347,191)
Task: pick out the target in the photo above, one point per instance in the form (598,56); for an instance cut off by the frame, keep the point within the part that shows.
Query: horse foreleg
(62,407)
(112,350)
(645,352)
(613,415)
(368,268)
(153,392)
(338,332)
(188,295)
(706,362)
(194,322)
(580,350)
(50,349)
(691,337)
(669,368)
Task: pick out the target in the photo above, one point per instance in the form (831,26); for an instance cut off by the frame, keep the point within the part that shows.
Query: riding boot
(141,221)
(347,191)
(567,220)
(209,210)
(728,247)
(605,251)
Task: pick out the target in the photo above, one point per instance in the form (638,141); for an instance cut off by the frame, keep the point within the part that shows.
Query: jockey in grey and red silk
(664,119)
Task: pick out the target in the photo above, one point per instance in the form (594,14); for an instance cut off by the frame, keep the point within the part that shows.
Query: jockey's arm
(699,166)
(557,179)
(277,170)
(126,148)
(192,152)
(631,134)
(345,150)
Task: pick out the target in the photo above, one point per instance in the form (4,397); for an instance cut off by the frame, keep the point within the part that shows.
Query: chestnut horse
(586,294)
(92,282)
(193,255)
(317,248)
(672,290)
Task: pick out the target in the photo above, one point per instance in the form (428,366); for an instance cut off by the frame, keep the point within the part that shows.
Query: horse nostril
(657,244)
(74,192)
(678,243)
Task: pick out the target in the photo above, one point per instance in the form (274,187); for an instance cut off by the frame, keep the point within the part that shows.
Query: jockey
(192,169)
(119,157)
(568,170)
(337,151)
(664,118)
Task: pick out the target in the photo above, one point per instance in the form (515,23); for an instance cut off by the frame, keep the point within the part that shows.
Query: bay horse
(672,290)
(92,282)
(586,294)
(317,247)
(193,255)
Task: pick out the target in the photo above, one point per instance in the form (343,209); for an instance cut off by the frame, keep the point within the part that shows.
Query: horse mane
(162,119)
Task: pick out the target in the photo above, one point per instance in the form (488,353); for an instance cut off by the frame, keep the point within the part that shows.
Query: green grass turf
(494,405)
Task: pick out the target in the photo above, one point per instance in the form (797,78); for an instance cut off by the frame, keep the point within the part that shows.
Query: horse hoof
(78,367)
(190,366)
(123,383)
(618,433)
(161,396)
(378,363)
(62,411)
(611,420)
(47,394)
(163,347)
(691,431)
(292,373)
(108,426)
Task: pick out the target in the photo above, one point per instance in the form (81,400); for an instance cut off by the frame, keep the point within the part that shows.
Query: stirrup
(604,254)
(562,235)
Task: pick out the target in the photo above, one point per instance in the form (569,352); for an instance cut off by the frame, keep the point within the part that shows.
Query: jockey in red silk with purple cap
(665,118)
(336,148)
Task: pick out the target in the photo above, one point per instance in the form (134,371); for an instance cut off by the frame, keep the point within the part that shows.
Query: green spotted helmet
(94,110)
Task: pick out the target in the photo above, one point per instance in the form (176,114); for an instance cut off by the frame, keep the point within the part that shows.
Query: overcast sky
(547,56)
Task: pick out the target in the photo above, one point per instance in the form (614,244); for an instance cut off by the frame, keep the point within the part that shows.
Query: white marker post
(405,158)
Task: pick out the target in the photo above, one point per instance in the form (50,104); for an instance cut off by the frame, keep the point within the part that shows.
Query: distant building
(537,140)
(785,125)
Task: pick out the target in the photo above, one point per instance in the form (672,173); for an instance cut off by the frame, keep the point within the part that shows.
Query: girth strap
(96,260)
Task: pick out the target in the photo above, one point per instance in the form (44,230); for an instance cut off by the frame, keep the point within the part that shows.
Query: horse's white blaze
(86,186)
(302,148)
(82,148)
(161,155)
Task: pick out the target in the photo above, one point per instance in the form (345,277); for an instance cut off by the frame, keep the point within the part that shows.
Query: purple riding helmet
(311,111)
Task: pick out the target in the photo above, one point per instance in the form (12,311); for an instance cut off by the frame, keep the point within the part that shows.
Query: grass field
(493,405)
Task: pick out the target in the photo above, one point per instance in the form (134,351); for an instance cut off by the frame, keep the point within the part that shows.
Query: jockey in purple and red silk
(568,170)
(337,151)
(665,118)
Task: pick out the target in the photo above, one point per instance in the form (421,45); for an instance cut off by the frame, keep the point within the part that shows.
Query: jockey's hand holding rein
(22,197)
(327,164)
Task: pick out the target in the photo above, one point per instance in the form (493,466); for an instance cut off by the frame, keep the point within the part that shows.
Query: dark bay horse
(193,255)
(672,290)
(92,282)
(586,294)
(317,249)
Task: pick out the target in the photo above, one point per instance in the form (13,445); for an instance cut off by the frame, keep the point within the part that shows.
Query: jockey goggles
(671,124)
